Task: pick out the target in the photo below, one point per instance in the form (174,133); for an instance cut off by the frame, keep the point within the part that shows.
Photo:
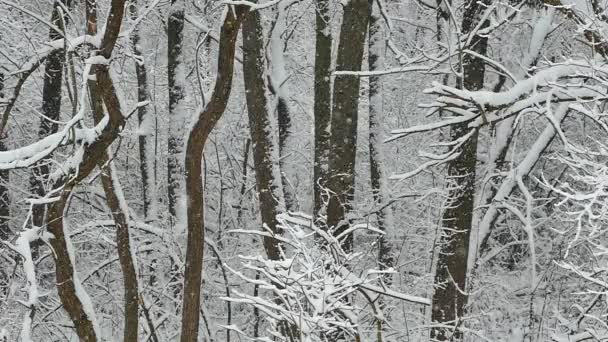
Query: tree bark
(343,141)
(278,87)
(147,165)
(265,153)
(204,124)
(5,201)
(72,296)
(449,299)
(51,107)
(376,155)
(177,112)
(322,104)
(119,209)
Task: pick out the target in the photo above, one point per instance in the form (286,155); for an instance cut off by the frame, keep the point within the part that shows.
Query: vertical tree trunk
(376,156)
(449,299)
(265,153)
(177,113)
(5,202)
(278,87)
(204,124)
(147,164)
(51,106)
(322,104)
(343,141)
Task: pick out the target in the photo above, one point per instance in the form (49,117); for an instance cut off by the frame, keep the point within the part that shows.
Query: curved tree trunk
(344,117)
(205,122)
(116,203)
(449,299)
(73,297)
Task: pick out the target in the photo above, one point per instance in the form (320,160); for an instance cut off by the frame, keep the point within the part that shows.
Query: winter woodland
(303,170)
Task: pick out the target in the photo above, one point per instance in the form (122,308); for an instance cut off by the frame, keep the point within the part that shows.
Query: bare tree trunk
(344,117)
(5,201)
(278,87)
(51,107)
(322,105)
(147,164)
(376,156)
(265,153)
(177,112)
(205,122)
(72,295)
(449,299)
(116,203)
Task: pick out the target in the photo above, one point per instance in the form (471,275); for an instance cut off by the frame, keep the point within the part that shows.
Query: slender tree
(73,297)
(147,162)
(203,125)
(344,116)
(116,202)
(322,103)
(278,87)
(177,113)
(51,106)
(449,299)
(5,201)
(376,155)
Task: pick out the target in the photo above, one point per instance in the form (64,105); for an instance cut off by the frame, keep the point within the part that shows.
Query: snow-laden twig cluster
(313,289)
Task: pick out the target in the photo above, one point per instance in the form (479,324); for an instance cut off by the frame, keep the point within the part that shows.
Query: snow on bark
(510,182)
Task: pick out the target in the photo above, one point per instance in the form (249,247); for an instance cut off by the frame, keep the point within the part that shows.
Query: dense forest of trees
(303,170)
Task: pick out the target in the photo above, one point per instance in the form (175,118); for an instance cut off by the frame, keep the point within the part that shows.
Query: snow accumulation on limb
(510,181)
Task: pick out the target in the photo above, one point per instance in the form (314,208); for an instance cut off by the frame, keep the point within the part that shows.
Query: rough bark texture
(383,215)
(51,107)
(67,284)
(205,122)
(147,165)
(449,300)
(5,202)
(268,181)
(322,104)
(344,116)
(176,73)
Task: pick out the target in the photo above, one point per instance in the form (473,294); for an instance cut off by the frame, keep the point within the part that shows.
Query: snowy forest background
(303,170)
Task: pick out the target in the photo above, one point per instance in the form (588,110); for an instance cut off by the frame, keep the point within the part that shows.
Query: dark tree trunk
(344,117)
(383,215)
(204,124)
(67,283)
(51,107)
(147,166)
(114,196)
(177,115)
(449,299)
(265,153)
(322,104)
(5,201)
